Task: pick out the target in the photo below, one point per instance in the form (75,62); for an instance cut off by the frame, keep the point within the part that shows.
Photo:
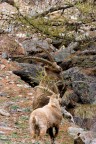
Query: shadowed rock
(30,73)
(82,84)
(11,2)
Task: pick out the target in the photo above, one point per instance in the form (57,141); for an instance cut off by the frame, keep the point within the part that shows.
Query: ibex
(43,120)
(50,80)
(47,113)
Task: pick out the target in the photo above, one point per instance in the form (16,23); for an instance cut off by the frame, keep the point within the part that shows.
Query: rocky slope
(72,43)
(15,107)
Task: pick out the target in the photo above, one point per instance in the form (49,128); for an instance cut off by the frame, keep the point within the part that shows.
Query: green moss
(85,7)
(42,25)
(14,107)
(15,135)
(86,111)
(24,118)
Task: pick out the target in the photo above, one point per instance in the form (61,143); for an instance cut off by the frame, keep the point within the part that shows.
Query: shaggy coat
(43,119)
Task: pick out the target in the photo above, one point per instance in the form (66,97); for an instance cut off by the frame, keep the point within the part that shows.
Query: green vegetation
(86,8)
(14,107)
(88,11)
(85,111)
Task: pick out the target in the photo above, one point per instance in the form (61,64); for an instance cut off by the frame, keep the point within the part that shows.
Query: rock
(19,85)
(57,42)
(85,116)
(69,98)
(88,137)
(83,85)
(87,52)
(66,64)
(93,141)
(73,46)
(33,8)
(2,94)
(11,2)
(78,140)
(8,104)
(93,127)
(67,114)
(85,56)
(30,73)
(32,46)
(26,86)
(91,46)
(85,61)
(66,75)
(4,113)
(6,8)
(63,53)
(86,91)
(4,55)
(30,94)
(6,128)
(5,11)
(1,132)
(9,47)
(85,137)
(74,131)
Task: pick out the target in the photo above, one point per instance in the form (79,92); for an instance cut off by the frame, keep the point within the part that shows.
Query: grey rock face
(69,98)
(3,94)
(32,45)
(63,53)
(85,137)
(4,55)
(30,73)
(83,85)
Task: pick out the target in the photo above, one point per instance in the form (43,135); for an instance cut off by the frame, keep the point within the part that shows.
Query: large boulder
(81,136)
(63,53)
(9,46)
(82,84)
(7,11)
(69,98)
(80,56)
(33,45)
(35,7)
(30,73)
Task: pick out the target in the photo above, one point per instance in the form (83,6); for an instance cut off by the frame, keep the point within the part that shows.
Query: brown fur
(49,81)
(51,76)
(43,119)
